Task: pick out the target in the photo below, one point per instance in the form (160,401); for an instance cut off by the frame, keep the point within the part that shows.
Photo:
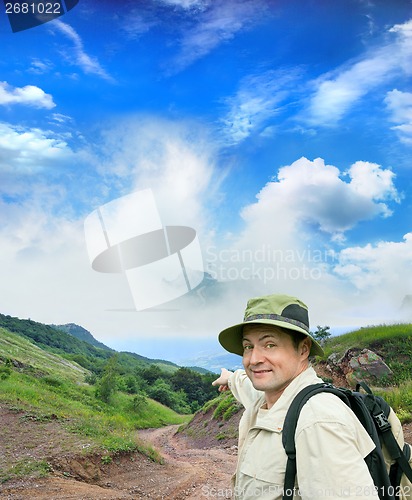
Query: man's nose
(256,356)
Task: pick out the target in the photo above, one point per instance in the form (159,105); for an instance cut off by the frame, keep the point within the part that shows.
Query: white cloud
(336,93)
(45,271)
(288,240)
(43,244)
(29,149)
(89,64)
(187,4)
(312,192)
(403,45)
(39,67)
(175,160)
(29,95)
(137,22)
(60,118)
(371,181)
(217,23)
(399,105)
(378,270)
(47,275)
(256,101)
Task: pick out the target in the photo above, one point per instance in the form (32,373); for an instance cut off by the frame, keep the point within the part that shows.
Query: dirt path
(188,473)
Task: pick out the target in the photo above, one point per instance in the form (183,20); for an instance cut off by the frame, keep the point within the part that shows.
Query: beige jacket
(330,442)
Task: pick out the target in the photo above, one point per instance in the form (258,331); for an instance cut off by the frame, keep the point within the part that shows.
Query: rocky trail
(187,473)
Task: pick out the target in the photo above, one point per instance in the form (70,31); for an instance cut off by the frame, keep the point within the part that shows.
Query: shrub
(52,381)
(5,372)
(138,403)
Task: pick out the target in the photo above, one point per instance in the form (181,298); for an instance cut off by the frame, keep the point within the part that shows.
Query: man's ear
(305,347)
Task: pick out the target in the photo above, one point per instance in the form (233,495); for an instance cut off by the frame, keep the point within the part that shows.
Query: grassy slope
(33,359)
(46,386)
(369,336)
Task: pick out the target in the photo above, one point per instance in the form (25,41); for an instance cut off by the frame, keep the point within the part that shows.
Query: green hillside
(41,386)
(181,389)
(64,340)
(50,376)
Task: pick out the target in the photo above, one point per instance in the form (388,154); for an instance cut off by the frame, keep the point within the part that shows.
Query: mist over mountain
(213,361)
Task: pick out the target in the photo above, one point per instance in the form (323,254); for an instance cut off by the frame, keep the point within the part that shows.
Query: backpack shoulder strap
(289,429)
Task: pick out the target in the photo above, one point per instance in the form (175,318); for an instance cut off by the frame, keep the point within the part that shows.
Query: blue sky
(281,131)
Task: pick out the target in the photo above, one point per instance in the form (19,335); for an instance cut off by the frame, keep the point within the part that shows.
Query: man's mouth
(257,372)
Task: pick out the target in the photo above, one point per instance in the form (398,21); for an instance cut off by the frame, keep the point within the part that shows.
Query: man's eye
(247,347)
(270,346)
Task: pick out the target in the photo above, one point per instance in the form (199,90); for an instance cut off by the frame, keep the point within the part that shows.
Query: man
(331,444)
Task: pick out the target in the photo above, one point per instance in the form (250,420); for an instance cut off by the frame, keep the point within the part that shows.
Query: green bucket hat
(278,310)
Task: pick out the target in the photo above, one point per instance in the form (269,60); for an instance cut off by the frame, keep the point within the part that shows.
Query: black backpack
(373,412)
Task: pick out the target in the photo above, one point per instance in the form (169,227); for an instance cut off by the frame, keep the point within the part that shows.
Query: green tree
(198,388)
(130,383)
(107,384)
(151,374)
(321,334)
(164,393)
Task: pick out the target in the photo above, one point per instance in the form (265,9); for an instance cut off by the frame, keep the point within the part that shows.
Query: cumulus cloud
(315,193)
(29,95)
(28,149)
(288,241)
(89,64)
(257,100)
(336,93)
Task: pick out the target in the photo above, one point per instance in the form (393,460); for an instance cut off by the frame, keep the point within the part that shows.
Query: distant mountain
(198,369)
(213,361)
(82,334)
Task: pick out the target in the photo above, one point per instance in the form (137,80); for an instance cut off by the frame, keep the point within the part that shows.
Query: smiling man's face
(271,359)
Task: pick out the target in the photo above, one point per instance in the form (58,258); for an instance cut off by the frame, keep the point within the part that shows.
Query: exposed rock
(360,364)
